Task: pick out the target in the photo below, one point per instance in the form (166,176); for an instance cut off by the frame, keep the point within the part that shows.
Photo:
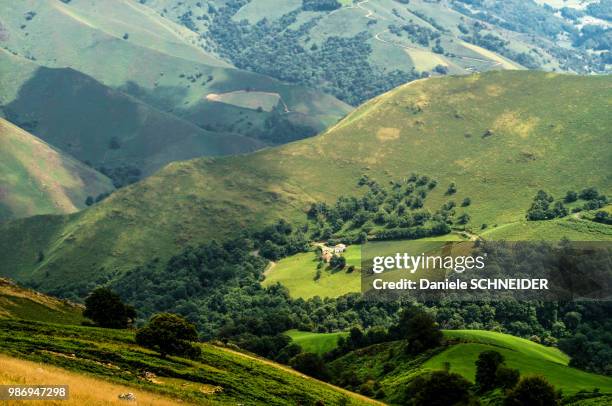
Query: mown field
(219,376)
(319,343)
(298,272)
(246,99)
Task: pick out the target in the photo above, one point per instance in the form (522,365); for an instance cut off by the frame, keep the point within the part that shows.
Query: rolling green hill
(388,364)
(131,50)
(500,136)
(219,376)
(36,178)
(17,302)
(530,358)
(106,127)
(357,49)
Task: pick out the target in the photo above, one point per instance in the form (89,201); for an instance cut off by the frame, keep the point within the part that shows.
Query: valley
(442,117)
(197,196)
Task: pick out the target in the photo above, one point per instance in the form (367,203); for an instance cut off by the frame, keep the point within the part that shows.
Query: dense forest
(338,66)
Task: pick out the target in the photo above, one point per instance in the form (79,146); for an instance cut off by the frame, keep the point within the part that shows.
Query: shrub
(506,378)
(169,334)
(486,368)
(603,217)
(337,262)
(534,390)
(590,193)
(452,189)
(310,364)
(419,329)
(438,388)
(463,219)
(570,196)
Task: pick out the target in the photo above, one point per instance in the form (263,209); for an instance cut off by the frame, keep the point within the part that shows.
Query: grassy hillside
(129,48)
(36,178)
(106,127)
(530,358)
(297,273)
(319,343)
(364,48)
(21,303)
(219,376)
(499,136)
(388,364)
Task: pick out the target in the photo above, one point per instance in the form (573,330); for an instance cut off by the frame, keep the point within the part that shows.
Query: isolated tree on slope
(169,334)
(106,309)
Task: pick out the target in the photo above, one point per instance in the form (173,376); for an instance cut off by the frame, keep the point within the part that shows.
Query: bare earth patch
(253,100)
(388,134)
(511,122)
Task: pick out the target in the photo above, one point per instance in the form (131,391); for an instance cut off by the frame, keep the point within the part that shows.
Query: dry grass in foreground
(83,390)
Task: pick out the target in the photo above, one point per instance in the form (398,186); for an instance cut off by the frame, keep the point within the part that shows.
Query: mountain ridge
(487,132)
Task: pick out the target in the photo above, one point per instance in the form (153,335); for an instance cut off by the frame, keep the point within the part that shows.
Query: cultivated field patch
(253,100)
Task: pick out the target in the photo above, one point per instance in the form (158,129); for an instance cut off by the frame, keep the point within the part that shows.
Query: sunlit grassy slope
(218,376)
(36,178)
(83,389)
(435,127)
(388,363)
(21,303)
(319,343)
(530,358)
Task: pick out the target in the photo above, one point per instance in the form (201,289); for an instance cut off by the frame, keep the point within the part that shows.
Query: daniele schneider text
(458,264)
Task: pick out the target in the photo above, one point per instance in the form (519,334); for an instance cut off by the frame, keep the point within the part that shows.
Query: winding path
(370,14)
